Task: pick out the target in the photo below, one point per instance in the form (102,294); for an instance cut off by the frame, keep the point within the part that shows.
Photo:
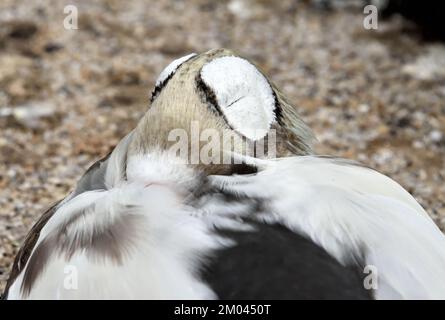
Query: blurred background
(68,96)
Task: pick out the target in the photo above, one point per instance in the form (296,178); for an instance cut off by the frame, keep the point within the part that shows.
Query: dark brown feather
(25,251)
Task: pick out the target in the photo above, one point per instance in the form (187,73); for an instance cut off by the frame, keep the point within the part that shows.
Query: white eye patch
(243,95)
(171,68)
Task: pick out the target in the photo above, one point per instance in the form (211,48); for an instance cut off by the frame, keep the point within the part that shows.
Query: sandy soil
(68,96)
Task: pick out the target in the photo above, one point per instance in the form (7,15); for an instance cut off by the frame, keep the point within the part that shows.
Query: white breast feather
(161,265)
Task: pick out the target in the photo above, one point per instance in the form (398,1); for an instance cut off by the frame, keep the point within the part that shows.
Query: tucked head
(219,92)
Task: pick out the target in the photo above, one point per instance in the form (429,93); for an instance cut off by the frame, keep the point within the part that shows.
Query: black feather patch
(273,262)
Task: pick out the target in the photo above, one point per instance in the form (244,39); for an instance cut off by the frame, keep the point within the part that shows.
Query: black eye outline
(158,88)
(208,96)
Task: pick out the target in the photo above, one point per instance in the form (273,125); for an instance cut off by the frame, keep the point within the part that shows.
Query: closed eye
(235,101)
(239,92)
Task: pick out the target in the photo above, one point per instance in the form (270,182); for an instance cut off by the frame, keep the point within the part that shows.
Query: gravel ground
(68,96)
